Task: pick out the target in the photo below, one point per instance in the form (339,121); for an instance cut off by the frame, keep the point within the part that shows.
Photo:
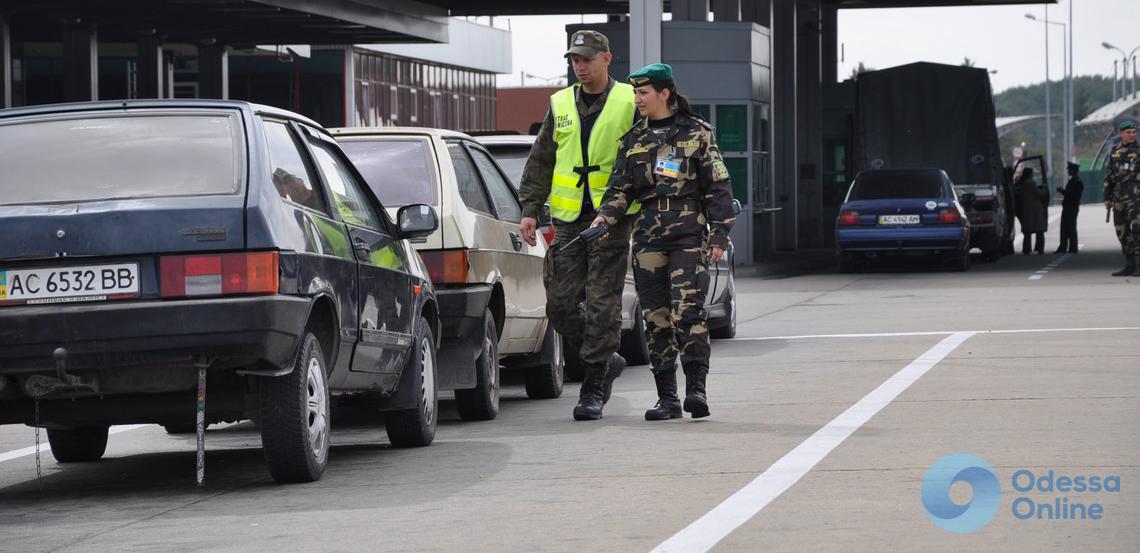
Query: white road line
(1039,274)
(46,448)
(930,333)
(703,534)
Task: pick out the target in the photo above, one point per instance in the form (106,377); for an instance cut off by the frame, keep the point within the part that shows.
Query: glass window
(884,185)
(761,128)
(506,204)
(400,172)
(470,187)
(120,156)
(732,128)
(290,175)
(738,174)
(352,202)
(703,111)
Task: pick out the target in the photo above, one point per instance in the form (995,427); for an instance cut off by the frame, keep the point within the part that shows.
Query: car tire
(544,381)
(481,403)
(633,346)
(295,417)
(178,428)
(991,246)
(961,261)
(78,445)
(727,331)
(415,427)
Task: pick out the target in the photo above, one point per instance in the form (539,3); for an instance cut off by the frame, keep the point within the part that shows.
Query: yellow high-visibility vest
(614,120)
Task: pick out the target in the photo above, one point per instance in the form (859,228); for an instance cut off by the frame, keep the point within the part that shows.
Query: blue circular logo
(961,467)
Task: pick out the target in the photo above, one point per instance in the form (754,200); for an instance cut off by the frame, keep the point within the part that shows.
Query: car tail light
(982,218)
(447,267)
(849,217)
(949,216)
(548,234)
(220,274)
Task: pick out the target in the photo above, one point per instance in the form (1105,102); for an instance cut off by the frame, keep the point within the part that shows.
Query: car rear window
(897,185)
(512,159)
(80,159)
(400,171)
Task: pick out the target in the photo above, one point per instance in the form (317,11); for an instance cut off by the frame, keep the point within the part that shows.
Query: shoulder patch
(720,172)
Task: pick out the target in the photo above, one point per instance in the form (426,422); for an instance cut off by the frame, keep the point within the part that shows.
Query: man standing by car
(1122,196)
(569,167)
(1070,206)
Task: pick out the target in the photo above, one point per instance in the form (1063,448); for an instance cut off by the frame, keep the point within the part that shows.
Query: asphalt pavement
(829,410)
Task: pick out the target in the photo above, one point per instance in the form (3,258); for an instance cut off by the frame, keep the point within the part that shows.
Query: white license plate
(69,284)
(900,219)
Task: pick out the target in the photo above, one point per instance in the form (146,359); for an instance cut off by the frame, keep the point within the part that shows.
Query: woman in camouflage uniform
(669,161)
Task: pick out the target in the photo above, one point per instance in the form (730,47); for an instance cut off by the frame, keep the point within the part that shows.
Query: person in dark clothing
(1070,206)
(1034,212)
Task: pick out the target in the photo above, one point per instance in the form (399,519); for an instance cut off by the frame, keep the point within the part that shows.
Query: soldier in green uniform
(1122,196)
(569,167)
(671,164)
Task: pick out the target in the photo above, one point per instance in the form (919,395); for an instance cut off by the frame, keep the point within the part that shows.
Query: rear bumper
(461,309)
(231,332)
(901,239)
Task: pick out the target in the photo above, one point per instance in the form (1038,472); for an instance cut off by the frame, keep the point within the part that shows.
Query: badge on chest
(667,167)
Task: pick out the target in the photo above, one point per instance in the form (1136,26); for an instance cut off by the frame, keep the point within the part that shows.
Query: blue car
(902,212)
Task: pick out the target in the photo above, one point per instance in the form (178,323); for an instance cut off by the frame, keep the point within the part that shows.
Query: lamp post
(1067,88)
(1123,68)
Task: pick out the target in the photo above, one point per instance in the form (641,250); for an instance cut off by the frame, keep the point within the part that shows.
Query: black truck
(935,115)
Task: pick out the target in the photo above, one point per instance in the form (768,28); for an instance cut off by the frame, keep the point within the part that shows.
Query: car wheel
(415,427)
(294,412)
(729,330)
(633,346)
(78,445)
(544,381)
(961,262)
(481,403)
(177,428)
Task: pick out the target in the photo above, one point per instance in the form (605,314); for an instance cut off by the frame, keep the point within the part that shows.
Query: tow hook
(39,385)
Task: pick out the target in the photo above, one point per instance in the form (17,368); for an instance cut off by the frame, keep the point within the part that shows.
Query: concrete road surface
(829,410)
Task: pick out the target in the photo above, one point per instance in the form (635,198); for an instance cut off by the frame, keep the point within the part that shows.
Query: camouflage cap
(652,73)
(1127,124)
(588,44)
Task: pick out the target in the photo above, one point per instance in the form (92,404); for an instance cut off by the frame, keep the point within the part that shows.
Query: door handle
(516,241)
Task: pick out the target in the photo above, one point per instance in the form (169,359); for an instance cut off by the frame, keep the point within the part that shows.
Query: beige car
(488,280)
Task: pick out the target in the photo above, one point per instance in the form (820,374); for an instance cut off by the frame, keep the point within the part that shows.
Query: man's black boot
(1129,267)
(668,405)
(589,406)
(617,365)
(695,401)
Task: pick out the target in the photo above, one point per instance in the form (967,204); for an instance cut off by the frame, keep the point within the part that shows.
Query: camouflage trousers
(583,289)
(671,286)
(1126,218)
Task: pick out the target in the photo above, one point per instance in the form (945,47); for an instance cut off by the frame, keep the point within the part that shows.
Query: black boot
(590,403)
(668,404)
(1129,267)
(617,365)
(695,400)
(1136,263)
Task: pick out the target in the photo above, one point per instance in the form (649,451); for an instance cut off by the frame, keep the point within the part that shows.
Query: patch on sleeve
(720,172)
(636,150)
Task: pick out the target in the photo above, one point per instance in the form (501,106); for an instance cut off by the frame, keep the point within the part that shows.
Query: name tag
(667,168)
(689,144)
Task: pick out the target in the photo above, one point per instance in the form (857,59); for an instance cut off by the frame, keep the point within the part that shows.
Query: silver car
(512,150)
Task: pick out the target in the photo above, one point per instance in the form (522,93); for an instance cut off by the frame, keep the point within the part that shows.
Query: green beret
(652,73)
(1128,124)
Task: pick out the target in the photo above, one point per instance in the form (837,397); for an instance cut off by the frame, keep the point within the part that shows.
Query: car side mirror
(736,206)
(416,221)
(967,199)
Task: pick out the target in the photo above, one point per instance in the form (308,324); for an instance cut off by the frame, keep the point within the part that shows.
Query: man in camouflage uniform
(671,164)
(569,167)
(1122,196)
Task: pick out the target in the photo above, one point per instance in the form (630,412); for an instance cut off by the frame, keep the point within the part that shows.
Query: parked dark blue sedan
(902,212)
(148,241)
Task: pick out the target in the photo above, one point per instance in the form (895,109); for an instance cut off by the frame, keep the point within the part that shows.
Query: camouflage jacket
(686,203)
(1122,176)
(534,187)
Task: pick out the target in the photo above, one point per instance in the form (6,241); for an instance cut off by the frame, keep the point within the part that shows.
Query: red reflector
(173,276)
(197,266)
(233,274)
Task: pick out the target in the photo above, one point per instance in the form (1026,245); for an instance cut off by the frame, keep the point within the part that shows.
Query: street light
(1068,91)
(1123,67)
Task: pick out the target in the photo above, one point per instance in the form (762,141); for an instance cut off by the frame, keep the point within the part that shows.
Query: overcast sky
(997,37)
